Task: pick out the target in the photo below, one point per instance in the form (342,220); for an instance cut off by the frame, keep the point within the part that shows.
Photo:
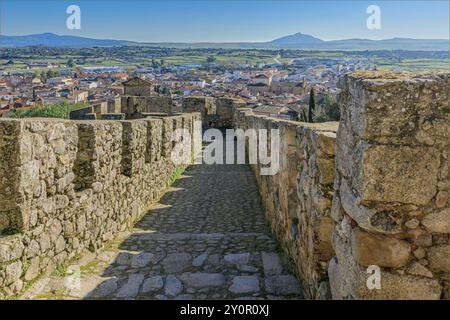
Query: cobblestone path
(205,239)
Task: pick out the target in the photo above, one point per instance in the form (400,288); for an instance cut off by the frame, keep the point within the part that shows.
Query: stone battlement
(215,112)
(391,206)
(298,198)
(68,186)
(374,192)
(361,207)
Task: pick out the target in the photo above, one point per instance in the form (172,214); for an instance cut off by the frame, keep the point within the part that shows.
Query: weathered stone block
(439,258)
(349,280)
(13,272)
(417,269)
(326,170)
(398,174)
(326,141)
(369,249)
(134,141)
(392,180)
(438,222)
(396,108)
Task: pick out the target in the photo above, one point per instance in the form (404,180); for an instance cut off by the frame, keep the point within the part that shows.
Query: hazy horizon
(215,41)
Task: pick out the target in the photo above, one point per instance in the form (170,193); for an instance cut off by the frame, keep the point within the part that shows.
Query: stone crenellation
(69,186)
(361,207)
(391,206)
(216,112)
(372,192)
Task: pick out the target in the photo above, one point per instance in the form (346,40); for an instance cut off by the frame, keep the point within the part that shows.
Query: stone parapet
(70,186)
(216,112)
(297,199)
(391,206)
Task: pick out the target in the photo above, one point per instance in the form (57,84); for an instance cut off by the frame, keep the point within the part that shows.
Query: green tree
(51,73)
(302,116)
(70,63)
(311,105)
(328,110)
(210,59)
(59,110)
(42,75)
(166,90)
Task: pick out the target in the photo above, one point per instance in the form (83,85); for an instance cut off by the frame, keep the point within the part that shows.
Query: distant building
(293,87)
(36,80)
(276,112)
(257,88)
(60,80)
(9,95)
(79,96)
(87,84)
(102,69)
(138,87)
(262,79)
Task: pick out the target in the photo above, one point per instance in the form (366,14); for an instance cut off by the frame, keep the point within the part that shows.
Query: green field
(135,57)
(418,65)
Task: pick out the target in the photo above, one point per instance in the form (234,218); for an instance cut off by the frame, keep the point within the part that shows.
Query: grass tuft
(59,110)
(176,175)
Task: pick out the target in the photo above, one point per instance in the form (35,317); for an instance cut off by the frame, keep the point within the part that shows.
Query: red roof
(120,75)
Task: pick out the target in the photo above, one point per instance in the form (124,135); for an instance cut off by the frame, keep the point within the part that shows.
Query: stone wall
(85,113)
(97,110)
(298,88)
(68,186)
(114,105)
(391,207)
(298,198)
(225,108)
(384,205)
(138,87)
(134,106)
(216,112)
(205,105)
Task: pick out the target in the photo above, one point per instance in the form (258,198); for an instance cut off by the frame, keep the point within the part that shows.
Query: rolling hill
(295,41)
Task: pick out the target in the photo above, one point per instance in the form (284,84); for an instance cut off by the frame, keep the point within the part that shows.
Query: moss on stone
(176,175)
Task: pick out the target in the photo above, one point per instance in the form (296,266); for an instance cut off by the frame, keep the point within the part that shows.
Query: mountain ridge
(295,41)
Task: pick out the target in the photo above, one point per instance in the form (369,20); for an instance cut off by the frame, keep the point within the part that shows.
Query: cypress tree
(312,105)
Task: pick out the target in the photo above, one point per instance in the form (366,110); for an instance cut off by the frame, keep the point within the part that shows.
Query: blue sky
(226,20)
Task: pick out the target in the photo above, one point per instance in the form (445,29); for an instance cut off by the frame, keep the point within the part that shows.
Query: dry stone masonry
(216,112)
(298,198)
(193,244)
(67,186)
(391,206)
(361,207)
(385,204)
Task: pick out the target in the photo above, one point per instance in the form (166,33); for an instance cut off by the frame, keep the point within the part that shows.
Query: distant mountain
(54,40)
(295,41)
(303,41)
(298,38)
(390,44)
